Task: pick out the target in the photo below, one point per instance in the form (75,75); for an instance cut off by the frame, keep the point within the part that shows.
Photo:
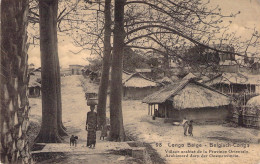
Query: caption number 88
(158,144)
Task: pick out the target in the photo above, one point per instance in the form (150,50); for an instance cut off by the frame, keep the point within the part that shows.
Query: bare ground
(141,127)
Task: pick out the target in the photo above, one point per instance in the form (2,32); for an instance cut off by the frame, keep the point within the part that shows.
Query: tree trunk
(166,64)
(14,81)
(61,128)
(117,129)
(102,95)
(49,127)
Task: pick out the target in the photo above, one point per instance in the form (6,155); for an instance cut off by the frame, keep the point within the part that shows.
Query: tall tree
(49,128)
(14,102)
(34,19)
(61,128)
(117,129)
(103,86)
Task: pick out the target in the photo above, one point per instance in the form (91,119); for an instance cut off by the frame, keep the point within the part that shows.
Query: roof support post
(152,110)
(148,109)
(165,111)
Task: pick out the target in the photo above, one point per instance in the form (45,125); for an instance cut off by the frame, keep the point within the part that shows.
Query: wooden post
(165,111)
(148,109)
(152,110)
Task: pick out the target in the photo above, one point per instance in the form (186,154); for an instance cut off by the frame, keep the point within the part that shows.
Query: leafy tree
(133,60)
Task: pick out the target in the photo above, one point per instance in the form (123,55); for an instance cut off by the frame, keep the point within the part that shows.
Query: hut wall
(197,114)
(161,109)
(138,93)
(223,88)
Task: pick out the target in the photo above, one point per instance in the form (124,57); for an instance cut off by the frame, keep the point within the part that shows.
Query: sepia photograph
(130,82)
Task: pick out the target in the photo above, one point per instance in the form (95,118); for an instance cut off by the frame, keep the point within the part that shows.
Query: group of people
(91,127)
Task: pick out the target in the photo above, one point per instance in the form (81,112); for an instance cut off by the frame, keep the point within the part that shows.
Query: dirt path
(74,119)
(74,107)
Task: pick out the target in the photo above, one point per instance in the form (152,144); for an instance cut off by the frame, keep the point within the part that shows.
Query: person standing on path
(190,128)
(91,127)
(185,126)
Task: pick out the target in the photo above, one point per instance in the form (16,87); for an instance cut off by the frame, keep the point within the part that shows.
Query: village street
(141,127)
(74,118)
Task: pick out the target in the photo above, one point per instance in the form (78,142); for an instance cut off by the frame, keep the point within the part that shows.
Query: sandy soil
(160,135)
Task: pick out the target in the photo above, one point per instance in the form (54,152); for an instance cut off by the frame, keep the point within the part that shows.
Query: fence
(247,116)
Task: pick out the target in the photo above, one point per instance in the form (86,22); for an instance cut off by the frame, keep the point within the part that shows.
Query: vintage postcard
(130,81)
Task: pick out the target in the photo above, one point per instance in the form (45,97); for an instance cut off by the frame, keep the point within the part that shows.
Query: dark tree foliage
(133,60)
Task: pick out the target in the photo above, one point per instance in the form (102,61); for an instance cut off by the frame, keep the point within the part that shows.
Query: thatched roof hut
(189,98)
(234,83)
(137,86)
(34,85)
(137,80)
(165,80)
(189,94)
(189,76)
(35,79)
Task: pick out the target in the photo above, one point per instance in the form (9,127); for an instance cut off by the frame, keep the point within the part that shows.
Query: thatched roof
(165,93)
(255,101)
(125,76)
(189,94)
(165,80)
(137,80)
(35,79)
(189,76)
(174,78)
(234,78)
(144,70)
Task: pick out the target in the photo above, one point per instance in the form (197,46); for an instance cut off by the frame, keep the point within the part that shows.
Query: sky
(249,17)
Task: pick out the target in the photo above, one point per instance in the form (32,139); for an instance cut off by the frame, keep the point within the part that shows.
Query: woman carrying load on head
(91,127)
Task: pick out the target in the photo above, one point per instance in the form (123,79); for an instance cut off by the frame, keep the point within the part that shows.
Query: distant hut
(76,69)
(137,86)
(34,86)
(189,76)
(234,83)
(189,99)
(147,72)
(165,81)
